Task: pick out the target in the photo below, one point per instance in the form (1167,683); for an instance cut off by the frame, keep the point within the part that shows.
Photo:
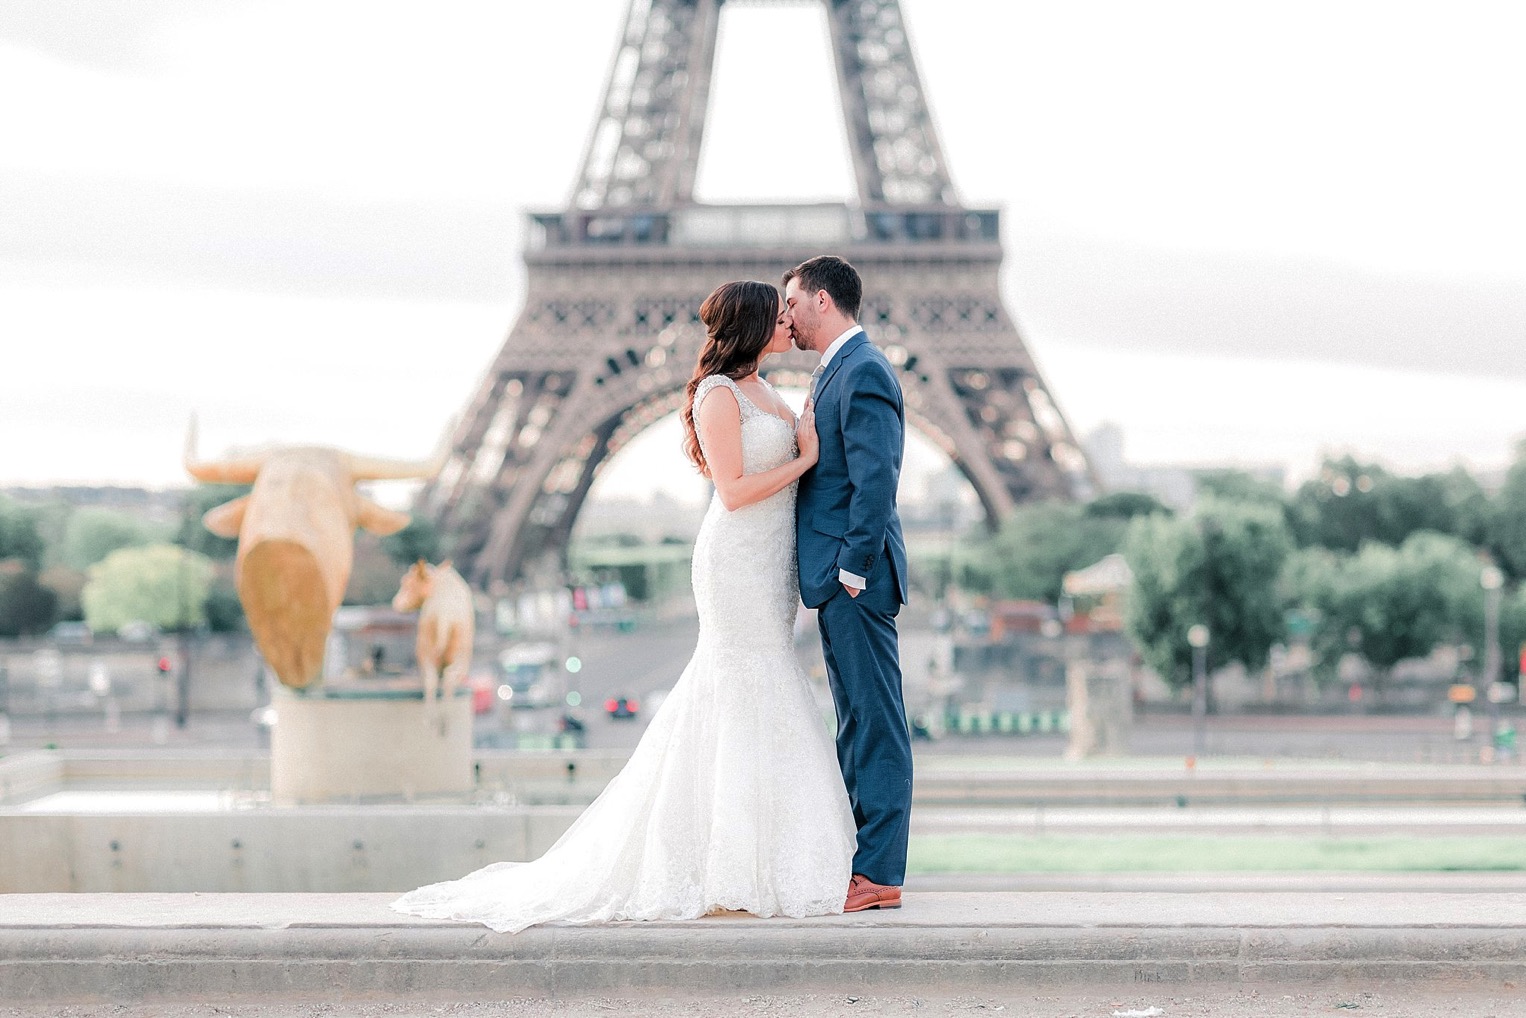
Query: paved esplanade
(328,947)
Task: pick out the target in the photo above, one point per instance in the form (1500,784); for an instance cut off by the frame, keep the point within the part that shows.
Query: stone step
(63,948)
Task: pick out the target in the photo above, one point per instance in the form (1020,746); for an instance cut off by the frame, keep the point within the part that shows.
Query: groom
(853,564)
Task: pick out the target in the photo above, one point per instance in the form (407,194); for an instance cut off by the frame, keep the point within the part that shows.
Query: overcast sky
(1246,232)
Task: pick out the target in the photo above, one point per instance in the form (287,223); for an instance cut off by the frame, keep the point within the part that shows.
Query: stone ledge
(58,948)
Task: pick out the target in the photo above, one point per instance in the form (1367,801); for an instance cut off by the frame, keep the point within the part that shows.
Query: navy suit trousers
(873,743)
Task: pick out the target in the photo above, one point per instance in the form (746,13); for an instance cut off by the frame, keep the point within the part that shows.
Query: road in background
(645,662)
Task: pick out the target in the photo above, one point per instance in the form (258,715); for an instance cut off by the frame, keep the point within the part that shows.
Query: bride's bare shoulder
(716,383)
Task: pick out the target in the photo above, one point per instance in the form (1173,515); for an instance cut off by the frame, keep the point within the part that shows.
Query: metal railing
(718,226)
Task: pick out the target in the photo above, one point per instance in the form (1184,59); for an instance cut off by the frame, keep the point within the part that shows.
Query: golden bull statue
(447,626)
(295,535)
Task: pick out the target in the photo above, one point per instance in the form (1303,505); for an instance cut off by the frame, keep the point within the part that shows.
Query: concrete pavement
(327,947)
(1337,820)
(1267,881)
(1365,999)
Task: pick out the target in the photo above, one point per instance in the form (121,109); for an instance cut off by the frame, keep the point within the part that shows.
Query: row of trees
(109,567)
(106,566)
(1358,560)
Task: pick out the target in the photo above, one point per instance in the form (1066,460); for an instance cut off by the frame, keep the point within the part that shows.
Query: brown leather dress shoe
(864,893)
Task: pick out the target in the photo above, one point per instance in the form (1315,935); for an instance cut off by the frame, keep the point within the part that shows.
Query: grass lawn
(986,853)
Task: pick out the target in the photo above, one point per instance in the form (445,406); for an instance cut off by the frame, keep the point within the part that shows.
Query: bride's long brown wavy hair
(739,323)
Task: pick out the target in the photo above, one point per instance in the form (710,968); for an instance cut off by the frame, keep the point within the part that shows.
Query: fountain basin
(141,821)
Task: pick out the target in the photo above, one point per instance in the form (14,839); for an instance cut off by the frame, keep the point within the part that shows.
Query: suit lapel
(848,349)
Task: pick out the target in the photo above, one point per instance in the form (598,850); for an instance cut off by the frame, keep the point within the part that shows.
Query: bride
(733,799)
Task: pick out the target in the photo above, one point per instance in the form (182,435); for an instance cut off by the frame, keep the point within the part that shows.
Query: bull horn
(374,468)
(234,471)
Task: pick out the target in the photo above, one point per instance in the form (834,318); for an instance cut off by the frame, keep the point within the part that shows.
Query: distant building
(1096,595)
(1174,484)
(149,503)
(651,520)
(946,506)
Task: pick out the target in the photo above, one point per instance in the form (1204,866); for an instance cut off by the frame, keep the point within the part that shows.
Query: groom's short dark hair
(835,276)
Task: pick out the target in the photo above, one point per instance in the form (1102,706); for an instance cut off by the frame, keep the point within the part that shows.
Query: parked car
(75,634)
(621,707)
(529,675)
(482,685)
(138,632)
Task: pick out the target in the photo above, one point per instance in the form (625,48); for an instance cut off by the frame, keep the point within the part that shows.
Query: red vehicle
(483,689)
(621,707)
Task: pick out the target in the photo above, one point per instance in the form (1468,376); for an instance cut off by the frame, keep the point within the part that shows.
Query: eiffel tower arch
(610,330)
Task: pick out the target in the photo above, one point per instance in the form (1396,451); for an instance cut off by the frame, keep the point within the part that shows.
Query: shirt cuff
(850,580)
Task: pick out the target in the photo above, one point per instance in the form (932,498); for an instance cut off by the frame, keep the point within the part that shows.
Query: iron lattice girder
(609,332)
(607,340)
(644,150)
(645,147)
(896,154)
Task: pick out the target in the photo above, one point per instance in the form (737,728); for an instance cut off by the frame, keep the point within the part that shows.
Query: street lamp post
(5,706)
(1197,638)
(183,679)
(1492,580)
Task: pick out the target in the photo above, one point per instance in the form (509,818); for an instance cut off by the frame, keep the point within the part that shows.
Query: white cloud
(1202,410)
(375,376)
(202,181)
(1374,132)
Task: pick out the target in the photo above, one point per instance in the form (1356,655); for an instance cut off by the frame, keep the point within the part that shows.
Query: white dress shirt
(848,579)
(838,343)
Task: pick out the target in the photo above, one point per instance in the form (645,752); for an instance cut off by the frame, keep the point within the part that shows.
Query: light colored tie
(816,377)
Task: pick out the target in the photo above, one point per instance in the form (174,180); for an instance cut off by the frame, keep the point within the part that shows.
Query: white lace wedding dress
(733,798)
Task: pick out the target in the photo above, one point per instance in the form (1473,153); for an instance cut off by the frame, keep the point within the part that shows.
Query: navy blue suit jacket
(845,510)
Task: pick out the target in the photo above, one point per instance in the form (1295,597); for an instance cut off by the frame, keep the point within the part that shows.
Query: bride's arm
(720,434)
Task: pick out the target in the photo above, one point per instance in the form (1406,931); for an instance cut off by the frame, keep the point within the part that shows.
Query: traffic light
(164,666)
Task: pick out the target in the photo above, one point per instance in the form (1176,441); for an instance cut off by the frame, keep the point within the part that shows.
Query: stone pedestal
(1100,697)
(349,745)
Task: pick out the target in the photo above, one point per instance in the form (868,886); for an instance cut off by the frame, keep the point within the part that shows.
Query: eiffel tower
(610,327)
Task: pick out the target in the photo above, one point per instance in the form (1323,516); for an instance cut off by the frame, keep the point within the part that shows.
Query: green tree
(374,575)
(1467,504)
(1507,519)
(51,517)
(20,538)
(162,584)
(192,534)
(26,607)
(1391,604)
(1310,584)
(1034,549)
(1125,505)
(225,612)
(91,534)
(1404,602)
(1219,567)
(67,585)
(1513,632)
(420,539)
(1350,503)
(1238,486)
